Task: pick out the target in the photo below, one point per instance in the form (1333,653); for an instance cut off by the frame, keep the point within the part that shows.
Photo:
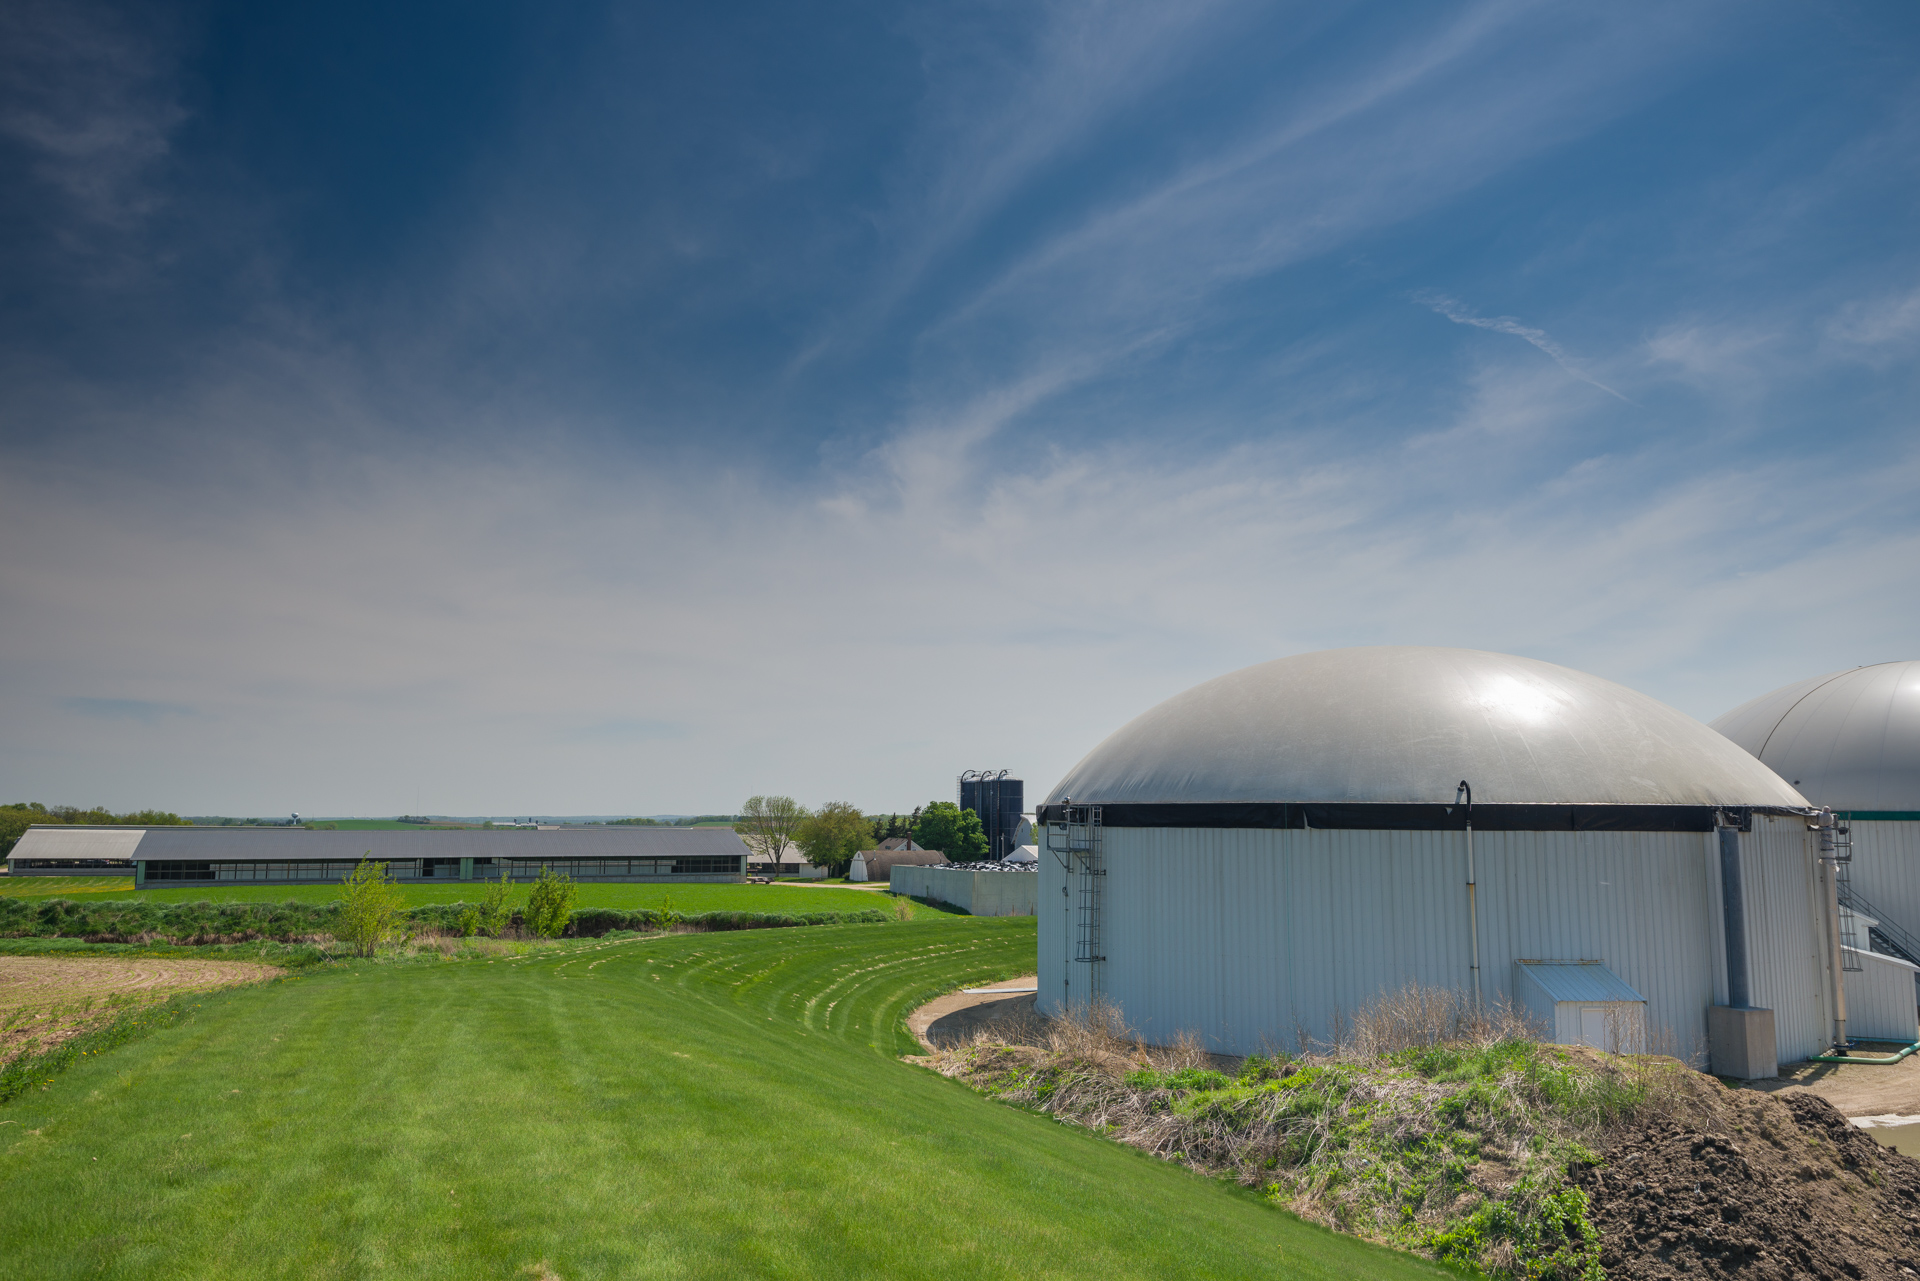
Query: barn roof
(203,844)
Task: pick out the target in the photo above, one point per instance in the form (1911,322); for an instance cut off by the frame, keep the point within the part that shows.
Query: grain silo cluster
(1257,857)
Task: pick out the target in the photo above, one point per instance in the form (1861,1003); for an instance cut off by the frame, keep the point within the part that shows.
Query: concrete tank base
(1740,1043)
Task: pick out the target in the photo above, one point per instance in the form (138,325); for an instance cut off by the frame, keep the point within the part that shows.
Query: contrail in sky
(1508,325)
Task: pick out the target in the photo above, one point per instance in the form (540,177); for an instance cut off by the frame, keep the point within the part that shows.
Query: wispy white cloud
(382,587)
(1460,315)
(565,625)
(94,98)
(1880,328)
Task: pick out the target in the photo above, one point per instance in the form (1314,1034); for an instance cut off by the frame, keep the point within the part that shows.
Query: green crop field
(686,898)
(66,886)
(388,825)
(679,1106)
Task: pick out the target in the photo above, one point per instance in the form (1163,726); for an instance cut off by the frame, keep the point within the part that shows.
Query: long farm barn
(157,856)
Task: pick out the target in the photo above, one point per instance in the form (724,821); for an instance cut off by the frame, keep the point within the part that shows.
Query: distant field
(387,825)
(686,898)
(65,886)
(689,1107)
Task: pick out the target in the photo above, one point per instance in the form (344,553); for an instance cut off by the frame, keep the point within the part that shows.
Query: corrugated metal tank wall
(1886,869)
(1254,936)
(1880,1000)
(1787,953)
(1055,929)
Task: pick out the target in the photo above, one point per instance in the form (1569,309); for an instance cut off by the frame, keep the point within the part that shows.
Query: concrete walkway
(952,1019)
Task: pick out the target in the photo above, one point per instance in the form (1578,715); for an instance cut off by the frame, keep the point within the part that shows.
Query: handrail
(1905,945)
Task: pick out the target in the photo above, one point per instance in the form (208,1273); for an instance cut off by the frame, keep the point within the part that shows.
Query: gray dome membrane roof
(1851,738)
(1402,725)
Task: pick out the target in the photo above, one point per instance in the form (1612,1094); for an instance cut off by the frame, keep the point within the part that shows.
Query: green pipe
(1865,1059)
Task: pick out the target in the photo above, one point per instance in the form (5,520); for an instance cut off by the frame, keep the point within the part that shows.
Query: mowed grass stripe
(572,1111)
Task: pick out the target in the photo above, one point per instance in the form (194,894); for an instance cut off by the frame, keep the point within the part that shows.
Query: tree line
(831,835)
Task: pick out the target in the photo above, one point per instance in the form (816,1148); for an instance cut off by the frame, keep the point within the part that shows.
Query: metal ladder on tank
(1076,840)
(1836,843)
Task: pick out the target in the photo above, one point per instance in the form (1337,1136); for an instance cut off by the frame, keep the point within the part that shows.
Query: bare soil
(1755,1185)
(1857,1089)
(45,1000)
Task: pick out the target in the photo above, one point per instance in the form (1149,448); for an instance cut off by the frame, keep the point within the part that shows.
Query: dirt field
(45,1000)
(51,980)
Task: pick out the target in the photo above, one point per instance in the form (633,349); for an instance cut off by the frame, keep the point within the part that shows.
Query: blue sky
(571,409)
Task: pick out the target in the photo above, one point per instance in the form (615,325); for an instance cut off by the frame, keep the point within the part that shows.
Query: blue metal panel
(1585,981)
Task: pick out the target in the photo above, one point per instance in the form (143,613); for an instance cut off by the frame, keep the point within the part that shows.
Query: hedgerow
(145,921)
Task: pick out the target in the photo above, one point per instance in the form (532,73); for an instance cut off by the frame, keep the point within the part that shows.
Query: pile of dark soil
(1770,1186)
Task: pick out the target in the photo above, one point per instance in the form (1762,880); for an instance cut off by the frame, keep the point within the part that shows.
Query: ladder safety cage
(1076,841)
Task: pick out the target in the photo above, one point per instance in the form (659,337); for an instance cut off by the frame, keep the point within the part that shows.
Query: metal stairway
(1884,936)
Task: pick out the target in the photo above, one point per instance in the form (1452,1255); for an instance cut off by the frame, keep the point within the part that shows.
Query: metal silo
(1273,847)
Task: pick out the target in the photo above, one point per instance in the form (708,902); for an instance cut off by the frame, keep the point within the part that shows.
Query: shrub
(496,911)
(198,923)
(370,908)
(550,904)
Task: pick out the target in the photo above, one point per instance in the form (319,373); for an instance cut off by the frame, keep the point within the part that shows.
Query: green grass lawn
(683,1106)
(686,898)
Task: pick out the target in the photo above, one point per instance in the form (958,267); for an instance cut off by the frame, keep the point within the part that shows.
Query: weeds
(1423,1122)
(145,922)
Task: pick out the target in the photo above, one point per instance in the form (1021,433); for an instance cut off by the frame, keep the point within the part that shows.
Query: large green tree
(833,834)
(953,831)
(767,824)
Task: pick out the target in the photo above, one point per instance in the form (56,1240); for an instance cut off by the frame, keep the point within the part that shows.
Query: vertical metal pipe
(1473,890)
(1733,902)
(1830,886)
(1473,913)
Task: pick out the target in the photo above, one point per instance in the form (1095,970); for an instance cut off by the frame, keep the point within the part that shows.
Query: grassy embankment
(685,1106)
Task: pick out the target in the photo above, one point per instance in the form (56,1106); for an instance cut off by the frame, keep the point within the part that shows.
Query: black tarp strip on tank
(1417,818)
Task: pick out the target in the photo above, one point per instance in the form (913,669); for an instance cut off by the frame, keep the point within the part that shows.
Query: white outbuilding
(1267,851)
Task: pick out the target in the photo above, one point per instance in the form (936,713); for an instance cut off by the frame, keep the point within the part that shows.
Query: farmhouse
(277,855)
(1255,857)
